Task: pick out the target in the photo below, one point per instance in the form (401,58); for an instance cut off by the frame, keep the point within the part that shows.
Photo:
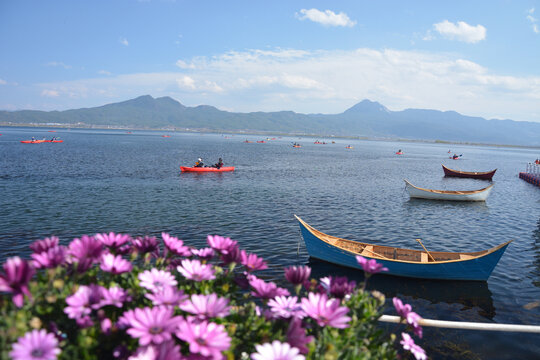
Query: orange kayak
(206,169)
(55,141)
(32,141)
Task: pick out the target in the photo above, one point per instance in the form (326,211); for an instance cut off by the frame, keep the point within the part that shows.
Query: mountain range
(365,119)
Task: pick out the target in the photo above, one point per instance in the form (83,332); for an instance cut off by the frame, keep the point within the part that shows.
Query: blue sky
(480,58)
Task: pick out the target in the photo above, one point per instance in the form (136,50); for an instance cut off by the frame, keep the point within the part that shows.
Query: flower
(155,280)
(252,262)
(206,306)
(276,351)
(81,303)
(370,266)
(35,345)
(147,244)
(338,286)
(297,275)
(232,255)
(168,296)
(296,336)
(113,240)
(175,245)
(405,311)
(167,350)
(17,274)
(402,309)
(195,270)
(85,251)
(408,344)
(204,254)
(221,244)
(151,325)
(115,296)
(326,312)
(286,307)
(115,264)
(205,338)
(51,258)
(265,290)
(40,246)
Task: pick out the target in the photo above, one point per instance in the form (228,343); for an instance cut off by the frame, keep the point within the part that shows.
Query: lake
(109,180)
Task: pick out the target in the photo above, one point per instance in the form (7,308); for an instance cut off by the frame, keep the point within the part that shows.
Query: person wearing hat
(199,163)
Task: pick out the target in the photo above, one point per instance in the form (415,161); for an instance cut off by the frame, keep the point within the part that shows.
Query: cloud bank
(461,31)
(326,18)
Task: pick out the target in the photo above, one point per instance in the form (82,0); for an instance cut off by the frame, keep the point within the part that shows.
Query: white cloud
(461,31)
(3,82)
(124,41)
(104,72)
(326,18)
(183,65)
(58,64)
(50,93)
(533,20)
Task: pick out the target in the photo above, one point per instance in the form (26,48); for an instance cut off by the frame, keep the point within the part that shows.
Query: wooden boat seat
(424,257)
(465,257)
(368,251)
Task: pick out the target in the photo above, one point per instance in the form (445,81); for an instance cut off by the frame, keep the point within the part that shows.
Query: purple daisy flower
(195,270)
(51,258)
(17,274)
(81,304)
(370,266)
(115,264)
(115,296)
(402,309)
(151,325)
(147,244)
(168,296)
(338,286)
(297,275)
(85,251)
(113,240)
(204,338)
(155,280)
(326,312)
(206,306)
(204,254)
(405,311)
(408,344)
(232,255)
(167,350)
(40,246)
(35,345)
(276,351)
(286,307)
(296,336)
(175,245)
(265,290)
(221,244)
(252,262)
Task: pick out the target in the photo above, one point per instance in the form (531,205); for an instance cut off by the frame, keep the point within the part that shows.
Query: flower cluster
(114,296)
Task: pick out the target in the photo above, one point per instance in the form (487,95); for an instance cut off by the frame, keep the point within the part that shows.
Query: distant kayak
(32,141)
(206,169)
(261,141)
(165,135)
(54,141)
(399,153)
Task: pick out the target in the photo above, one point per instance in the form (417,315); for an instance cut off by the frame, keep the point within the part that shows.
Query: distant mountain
(367,119)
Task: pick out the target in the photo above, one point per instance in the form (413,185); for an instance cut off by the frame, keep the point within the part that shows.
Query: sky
(479,58)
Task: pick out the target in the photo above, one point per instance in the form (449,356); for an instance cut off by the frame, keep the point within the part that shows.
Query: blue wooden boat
(403,262)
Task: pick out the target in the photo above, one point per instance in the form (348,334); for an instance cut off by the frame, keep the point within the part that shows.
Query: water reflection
(470,295)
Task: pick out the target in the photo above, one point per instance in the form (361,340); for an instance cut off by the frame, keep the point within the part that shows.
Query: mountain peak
(367,106)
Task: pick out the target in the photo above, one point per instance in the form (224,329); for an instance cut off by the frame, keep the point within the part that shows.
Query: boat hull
(487,175)
(206,169)
(478,269)
(420,193)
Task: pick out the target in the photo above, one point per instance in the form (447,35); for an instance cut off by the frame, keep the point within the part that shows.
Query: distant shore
(258,132)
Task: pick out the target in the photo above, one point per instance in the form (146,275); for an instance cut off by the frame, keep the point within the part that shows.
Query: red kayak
(206,169)
(32,141)
(399,153)
(54,141)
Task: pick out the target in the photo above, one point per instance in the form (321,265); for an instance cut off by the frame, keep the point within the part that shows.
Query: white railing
(533,168)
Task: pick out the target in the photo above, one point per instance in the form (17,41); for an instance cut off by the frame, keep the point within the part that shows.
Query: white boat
(465,195)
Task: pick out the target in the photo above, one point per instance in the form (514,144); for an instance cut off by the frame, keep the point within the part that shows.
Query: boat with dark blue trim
(403,262)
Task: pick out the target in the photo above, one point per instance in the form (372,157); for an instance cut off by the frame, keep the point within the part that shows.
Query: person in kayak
(219,164)
(199,163)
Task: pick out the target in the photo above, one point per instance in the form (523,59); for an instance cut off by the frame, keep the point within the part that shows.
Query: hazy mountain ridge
(367,118)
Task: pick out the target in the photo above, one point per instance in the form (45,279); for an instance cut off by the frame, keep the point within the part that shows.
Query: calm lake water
(100,181)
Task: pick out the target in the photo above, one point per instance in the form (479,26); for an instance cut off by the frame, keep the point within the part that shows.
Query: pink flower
(405,311)
(326,312)
(276,351)
(204,254)
(408,344)
(147,244)
(168,296)
(286,307)
(167,350)
(175,245)
(252,262)
(40,246)
(221,244)
(51,258)
(206,306)
(232,255)
(115,264)
(113,240)
(296,336)
(370,266)
(85,251)
(81,303)
(155,280)
(195,270)
(115,296)
(402,309)
(205,338)
(17,274)
(35,345)
(264,290)
(338,286)
(297,275)
(151,325)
